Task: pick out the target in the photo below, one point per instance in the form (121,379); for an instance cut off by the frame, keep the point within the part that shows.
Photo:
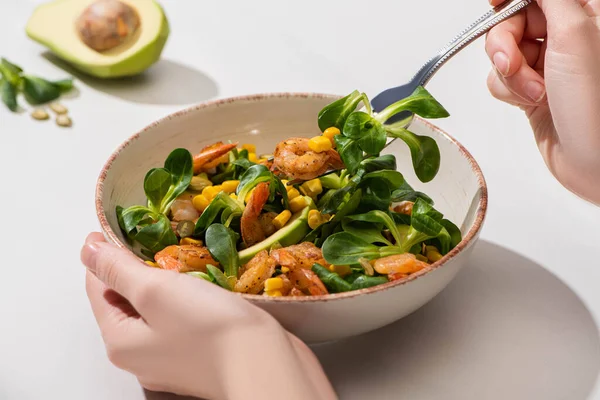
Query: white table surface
(518,323)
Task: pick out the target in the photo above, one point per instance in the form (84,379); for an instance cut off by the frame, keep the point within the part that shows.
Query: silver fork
(477,29)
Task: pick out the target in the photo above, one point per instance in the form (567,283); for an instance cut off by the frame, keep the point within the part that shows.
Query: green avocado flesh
(296,229)
(54,26)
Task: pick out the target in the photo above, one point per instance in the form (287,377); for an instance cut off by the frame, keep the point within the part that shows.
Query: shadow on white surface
(506,328)
(166,82)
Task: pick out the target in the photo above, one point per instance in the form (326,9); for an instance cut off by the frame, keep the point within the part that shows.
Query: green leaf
(349,151)
(406,193)
(217,275)
(157,185)
(426,224)
(8,91)
(333,282)
(336,113)
(157,236)
(379,217)
(64,85)
(221,202)
(421,102)
(253,176)
(453,231)
(367,131)
(363,282)
(345,249)
(221,243)
(384,162)
(14,68)
(370,232)
(376,195)
(278,188)
(394,178)
(11,72)
(201,275)
(424,152)
(179,165)
(131,217)
(38,90)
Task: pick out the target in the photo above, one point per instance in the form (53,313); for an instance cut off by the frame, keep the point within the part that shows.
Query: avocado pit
(106,24)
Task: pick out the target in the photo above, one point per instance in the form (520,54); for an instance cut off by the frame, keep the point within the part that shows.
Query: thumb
(561,13)
(121,271)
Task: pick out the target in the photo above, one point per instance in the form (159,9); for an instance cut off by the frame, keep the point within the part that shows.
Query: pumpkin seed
(39,114)
(58,108)
(63,120)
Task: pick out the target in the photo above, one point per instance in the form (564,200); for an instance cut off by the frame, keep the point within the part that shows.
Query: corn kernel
(273,284)
(252,157)
(421,257)
(230,186)
(200,202)
(273,293)
(233,196)
(341,270)
(319,144)
(297,204)
(247,199)
(434,256)
(431,248)
(152,264)
(211,191)
(284,181)
(189,240)
(250,147)
(312,188)
(285,270)
(292,193)
(315,218)
(330,133)
(282,219)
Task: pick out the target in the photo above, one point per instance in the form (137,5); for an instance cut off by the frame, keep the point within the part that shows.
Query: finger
(526,83)
(536,25)
(591,7)
(109,308)
(562,12)
(531,50)
(121,271)
(502,45)
(95,237)
(499,90)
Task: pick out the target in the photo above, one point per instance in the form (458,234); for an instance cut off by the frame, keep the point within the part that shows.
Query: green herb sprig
(36,90)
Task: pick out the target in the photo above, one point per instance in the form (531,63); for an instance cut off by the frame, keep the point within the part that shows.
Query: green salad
(319,215)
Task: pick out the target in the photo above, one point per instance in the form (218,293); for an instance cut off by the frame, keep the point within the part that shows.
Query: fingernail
(501,62)
(535,90)
(88,256)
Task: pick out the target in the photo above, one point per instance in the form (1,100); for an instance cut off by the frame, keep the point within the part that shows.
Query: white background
(517,323)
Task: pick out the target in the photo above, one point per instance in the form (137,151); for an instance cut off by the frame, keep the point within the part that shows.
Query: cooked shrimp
(294,159)
(303,255)
(184,258)
(260,268)
(250,224)
(183,210)
(399,264)
(266,222)
(210,154)
(307,282)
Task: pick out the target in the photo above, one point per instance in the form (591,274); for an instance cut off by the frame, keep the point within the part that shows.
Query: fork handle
(487,21)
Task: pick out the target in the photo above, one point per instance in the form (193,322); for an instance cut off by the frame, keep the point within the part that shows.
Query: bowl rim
(466,242)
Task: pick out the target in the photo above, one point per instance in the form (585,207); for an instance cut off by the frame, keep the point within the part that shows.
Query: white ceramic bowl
(459,192)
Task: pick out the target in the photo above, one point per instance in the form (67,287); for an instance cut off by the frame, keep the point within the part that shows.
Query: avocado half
(54,26)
